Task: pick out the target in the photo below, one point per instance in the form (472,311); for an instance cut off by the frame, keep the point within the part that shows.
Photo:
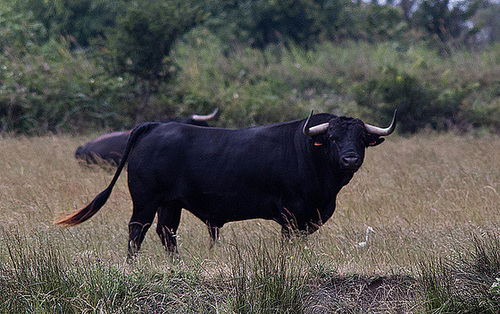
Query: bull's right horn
(383,131)
(315,130)
(197,117)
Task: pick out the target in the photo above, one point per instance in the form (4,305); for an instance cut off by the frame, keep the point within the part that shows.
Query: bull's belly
(218,210)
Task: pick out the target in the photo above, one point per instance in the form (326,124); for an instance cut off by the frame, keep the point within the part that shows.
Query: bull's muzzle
(350,162)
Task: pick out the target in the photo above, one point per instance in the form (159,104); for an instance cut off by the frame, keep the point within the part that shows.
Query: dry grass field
(433,202)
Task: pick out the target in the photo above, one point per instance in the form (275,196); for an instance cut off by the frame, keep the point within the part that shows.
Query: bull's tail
(87,212)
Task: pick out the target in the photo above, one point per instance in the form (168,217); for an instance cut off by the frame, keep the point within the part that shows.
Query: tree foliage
(302,22)
(141,42)
(69,65)
(81,21)
(439,18)
(487,20)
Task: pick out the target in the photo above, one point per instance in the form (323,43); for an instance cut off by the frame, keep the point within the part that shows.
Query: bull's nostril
(350,161)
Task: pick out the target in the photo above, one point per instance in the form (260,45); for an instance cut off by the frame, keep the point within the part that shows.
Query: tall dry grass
(426,197)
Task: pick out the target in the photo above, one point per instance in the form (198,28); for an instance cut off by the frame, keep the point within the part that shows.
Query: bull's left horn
(315,130)
(198,117)
(383,131)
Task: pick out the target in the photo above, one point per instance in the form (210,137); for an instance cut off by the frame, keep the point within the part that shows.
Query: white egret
(365,243)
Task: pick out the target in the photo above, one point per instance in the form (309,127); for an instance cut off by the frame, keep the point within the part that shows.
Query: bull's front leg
(320,217)
(214,233)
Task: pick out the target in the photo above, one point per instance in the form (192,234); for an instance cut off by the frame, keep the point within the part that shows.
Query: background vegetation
(74,66)
(432,201)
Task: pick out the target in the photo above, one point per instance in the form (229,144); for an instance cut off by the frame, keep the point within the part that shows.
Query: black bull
(287,172)
(109,148)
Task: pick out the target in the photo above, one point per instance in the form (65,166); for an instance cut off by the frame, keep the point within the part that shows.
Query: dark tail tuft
(85,213)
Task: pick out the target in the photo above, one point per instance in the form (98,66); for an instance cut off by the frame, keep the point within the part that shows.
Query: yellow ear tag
(318,144)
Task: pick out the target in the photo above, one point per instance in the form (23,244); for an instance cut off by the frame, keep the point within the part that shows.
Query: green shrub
(19,31)
(393,89)
(465,282)
(268,277)
(58,91)
(81,21)
(420,105)
(486,114)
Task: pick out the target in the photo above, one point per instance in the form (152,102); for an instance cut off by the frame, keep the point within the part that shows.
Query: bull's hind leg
(214,234)
(137,232)
(142,217)
(168,222)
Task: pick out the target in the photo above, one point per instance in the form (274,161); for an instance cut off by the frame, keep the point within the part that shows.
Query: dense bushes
(58,91)
(72,67)
(420,105)
(355,78)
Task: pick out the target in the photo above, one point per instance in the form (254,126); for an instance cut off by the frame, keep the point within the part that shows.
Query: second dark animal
(108,148)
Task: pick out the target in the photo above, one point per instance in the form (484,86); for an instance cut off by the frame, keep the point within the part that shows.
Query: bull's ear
(374,140)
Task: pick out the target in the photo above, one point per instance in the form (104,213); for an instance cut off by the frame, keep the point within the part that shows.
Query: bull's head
(345,139)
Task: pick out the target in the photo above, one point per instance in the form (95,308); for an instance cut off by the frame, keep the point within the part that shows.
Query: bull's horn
(315,130)
(383,131)
(198,117)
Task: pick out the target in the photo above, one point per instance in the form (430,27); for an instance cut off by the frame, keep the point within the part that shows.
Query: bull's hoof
(132,251)
(131,259)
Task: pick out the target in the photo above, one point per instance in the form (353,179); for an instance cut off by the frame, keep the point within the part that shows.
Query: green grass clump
(268,279)
(36,276)
(464,282)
